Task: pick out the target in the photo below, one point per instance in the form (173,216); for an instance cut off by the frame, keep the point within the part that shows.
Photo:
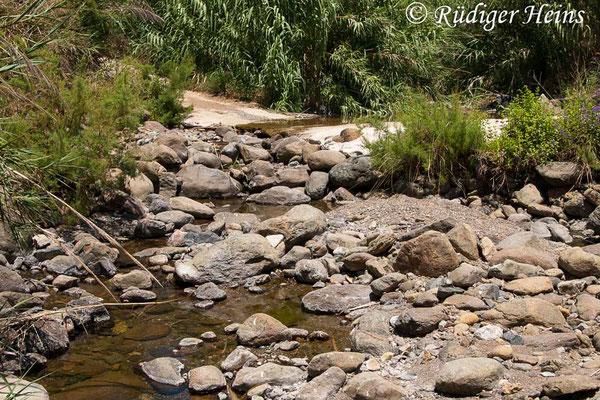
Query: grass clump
(440,140)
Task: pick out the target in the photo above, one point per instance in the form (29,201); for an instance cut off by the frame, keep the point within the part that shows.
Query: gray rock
(298,225)
(151,228)
(137,278)
(279,195)
(11,281)
(164,370)
(323,387)
(316,187)
(233,259)
(336,299)
(468,376)
(297,253)
(210,291)
(199,182)
(238,358)
(371,386)
(206,379)
(209,160)
(387,283)
(419,321)
(529,194)
(251,153)
(354,173)
(579,263)
(192,207)
(311,271)
(466,275)
(177,218)
(510,270)
(291,177)
(261,329)
(135,295)
(345,360)
(430,254)
(64,265)
(324,160)
(559,173)
(273,374)
(464,240)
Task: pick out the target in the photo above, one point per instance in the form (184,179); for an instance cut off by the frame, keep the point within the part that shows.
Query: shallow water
(104,364)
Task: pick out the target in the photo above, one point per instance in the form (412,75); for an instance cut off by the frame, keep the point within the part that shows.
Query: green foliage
(349,57)
(580,129)
(166,106)
(531,136)
(357,57)
(440,139)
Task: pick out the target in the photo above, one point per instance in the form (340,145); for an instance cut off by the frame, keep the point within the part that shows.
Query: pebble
(209,336)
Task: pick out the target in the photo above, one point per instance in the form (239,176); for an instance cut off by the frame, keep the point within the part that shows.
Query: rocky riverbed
(278,274)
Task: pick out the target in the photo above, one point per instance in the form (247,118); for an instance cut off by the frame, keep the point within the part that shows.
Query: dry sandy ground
(405,213)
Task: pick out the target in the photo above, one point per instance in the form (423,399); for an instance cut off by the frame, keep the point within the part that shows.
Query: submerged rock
(164,370)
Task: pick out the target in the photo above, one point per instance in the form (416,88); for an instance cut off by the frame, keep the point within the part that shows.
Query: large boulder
(27,390)
(160,153)
(525,255)
(468,376)
(336,299)
(354,173)
(259,330)
(570,386)
(345,360)
(576,205)
(529,194)
(291,177)
(199,182)
(11,281)
(419,321)
(192,207)
(175,141)
(164,370)
(175,217)
(371,386)
(430,254)
(588,307)
(579,263)
(464,240)
(324,386)
(324,160)
(273,374)
(530,286)
(559,173)
(139,187)
(233,259)
(137,278)
(251,153)
(520,312)
(593,222)
(316,187)
(206,379)
(279,195)
(298,225)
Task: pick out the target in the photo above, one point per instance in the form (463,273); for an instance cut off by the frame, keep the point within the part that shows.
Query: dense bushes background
(353,57)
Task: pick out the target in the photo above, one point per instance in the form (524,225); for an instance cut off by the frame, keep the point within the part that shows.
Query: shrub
(440,139)
(580,129)
(531,136)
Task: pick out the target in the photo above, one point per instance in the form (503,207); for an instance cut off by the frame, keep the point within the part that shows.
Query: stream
(105,364)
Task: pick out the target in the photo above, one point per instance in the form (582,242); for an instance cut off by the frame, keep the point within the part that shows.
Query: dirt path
(210,111)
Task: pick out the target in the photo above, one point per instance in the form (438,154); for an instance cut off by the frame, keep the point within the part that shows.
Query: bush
(580,129)
(440,139)
(531,136)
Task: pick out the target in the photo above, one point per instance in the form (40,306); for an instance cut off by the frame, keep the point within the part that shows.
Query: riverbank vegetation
(77,77)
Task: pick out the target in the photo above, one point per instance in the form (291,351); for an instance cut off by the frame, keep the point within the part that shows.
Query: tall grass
(357,57)
(441,140)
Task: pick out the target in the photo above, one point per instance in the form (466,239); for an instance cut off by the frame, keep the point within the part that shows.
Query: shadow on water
(291,126)
(104,364)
